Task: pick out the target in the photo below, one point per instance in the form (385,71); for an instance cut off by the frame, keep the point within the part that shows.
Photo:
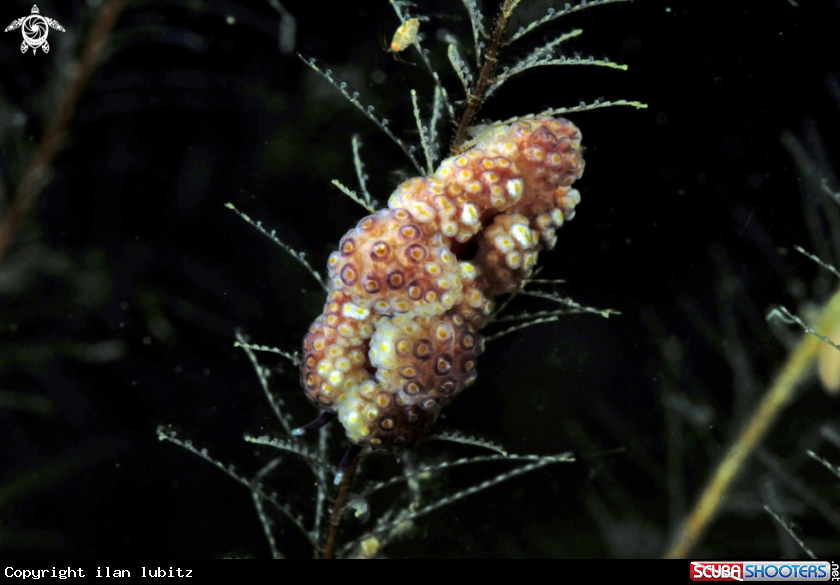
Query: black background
(122,296)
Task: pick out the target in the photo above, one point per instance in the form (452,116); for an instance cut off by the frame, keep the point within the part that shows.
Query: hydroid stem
(795,371)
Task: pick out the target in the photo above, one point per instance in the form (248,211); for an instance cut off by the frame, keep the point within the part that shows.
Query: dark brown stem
(39,165)
(485,76)
(343,493)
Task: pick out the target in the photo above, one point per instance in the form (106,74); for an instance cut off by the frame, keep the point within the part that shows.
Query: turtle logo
(35,28)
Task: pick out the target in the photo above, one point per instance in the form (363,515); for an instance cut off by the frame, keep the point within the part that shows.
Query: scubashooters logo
(764,571)
(35,29)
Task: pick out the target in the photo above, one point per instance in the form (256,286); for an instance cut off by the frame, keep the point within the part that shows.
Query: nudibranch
(412,286)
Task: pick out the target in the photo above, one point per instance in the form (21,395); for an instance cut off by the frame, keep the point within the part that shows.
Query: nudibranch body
(412,286)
